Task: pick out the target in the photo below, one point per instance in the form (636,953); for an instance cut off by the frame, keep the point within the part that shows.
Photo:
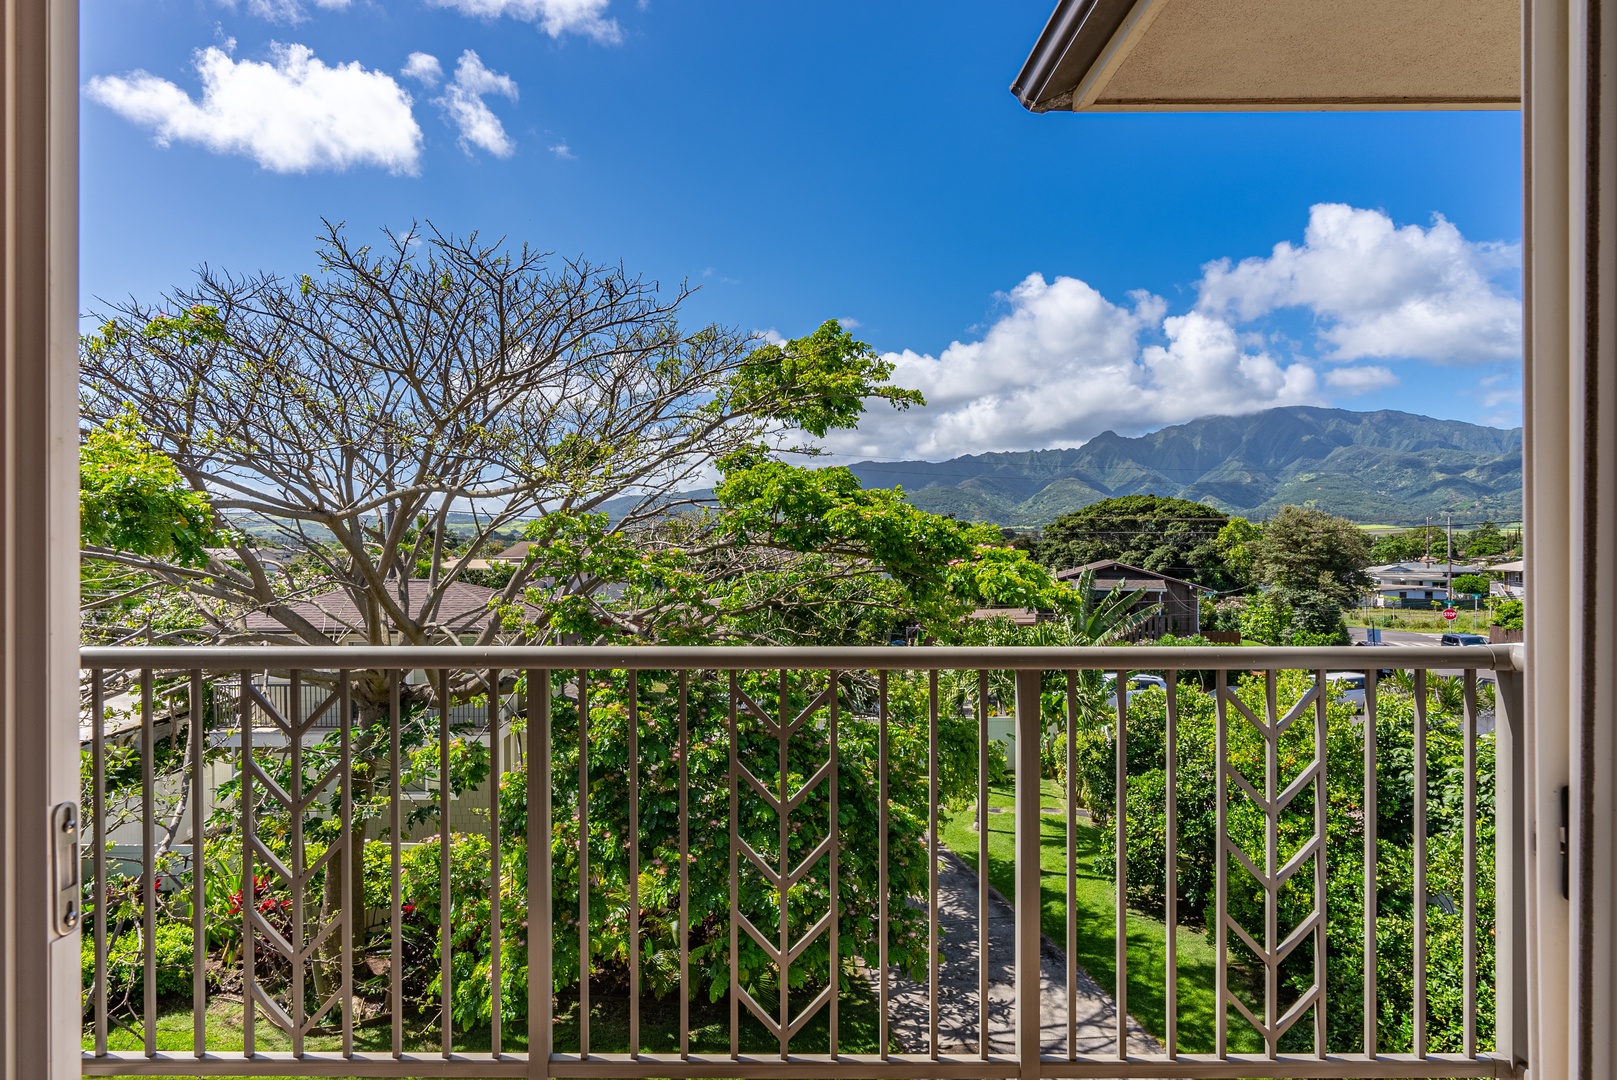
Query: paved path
(958,976)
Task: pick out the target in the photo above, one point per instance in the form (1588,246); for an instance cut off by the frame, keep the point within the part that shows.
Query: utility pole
(1428,559)
(1449,562)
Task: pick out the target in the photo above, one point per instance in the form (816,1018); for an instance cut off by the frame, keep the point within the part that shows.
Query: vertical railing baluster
(295,718)
(1470,868)
(1271,862)
(1121,869)
(353,898)
(249,891)
(782,821)
(684,867)
(881,862)
(98,802)
(634,864)
(496,769)
(735,878)
(446,910)
(982,865)
(836,896)
(539,931)
(395,717)
(932,861)
(583,864)
(1419,1008)
(148,860)
(1221,964)
(199,926)
(1371,892)
(1027,814)
(1072,866)
(1170,1018)
(1321,830)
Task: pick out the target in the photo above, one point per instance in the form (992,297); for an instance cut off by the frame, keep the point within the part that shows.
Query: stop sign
(1450,614)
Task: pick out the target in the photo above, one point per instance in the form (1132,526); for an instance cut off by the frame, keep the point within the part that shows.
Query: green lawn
(1097,939)
(609,1030)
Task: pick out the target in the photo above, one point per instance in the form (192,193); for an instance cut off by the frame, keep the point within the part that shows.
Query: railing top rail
(851,658)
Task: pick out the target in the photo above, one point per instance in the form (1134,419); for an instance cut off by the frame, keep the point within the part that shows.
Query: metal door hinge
(65,873)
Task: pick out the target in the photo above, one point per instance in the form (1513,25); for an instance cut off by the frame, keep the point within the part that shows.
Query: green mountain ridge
(1375,467)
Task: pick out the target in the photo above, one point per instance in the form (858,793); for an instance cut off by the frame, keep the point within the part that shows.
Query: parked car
(1464,639)
(1137,683)
(1347,687)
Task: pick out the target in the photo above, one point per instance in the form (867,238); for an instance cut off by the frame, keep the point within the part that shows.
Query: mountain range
(1373,467)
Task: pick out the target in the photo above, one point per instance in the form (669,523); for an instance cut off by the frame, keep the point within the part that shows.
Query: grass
(609,1029)
(1431,622)
(1096,910)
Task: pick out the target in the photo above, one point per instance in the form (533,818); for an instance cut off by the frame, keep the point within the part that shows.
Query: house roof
(1516,567)
(1419,568)
(515,553)
(1119,574)
(464,609)
(1019,616)
(1263,55)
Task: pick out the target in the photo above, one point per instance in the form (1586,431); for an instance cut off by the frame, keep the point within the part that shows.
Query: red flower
(408,909)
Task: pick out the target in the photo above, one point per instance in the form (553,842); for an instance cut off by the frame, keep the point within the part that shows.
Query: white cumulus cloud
(463,103)
(1360,380)
(1062,365)
(291,114)
(290,12)
(554,17)
(424,68)
(1379,290)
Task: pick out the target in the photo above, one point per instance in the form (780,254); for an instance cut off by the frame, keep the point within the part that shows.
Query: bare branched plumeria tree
(362,415)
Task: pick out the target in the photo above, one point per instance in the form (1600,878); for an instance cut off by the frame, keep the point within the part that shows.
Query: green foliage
(1263,618)
(1309,551)
(1169,536)
(1471,584)
(1487,541)
(1197,790)
(133,499)
(818,382)
(708,704)
(1509,615)
(126,963)
(1397,547)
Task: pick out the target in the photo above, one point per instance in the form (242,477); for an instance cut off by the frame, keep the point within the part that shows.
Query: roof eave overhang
(1475,46)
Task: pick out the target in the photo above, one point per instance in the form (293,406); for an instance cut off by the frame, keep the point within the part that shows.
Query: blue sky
(1040,277)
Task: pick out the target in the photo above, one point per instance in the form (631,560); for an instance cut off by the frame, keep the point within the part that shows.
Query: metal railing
(615,731)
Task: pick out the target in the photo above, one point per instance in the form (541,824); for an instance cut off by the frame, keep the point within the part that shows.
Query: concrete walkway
(958,977)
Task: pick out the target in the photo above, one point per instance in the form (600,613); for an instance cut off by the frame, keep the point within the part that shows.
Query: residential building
(1510,580)
(1175,604)
(1414,584)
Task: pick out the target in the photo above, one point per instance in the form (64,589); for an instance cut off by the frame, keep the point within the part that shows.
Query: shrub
(126,963)
(1197,792)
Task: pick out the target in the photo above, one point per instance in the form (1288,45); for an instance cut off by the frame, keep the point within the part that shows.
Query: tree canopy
(352,421)
(1170,536)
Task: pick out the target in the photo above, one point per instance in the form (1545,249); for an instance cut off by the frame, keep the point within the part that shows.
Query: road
(1413,639)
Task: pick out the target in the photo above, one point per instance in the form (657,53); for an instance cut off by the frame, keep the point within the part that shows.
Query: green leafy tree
(1397,547)
(134,502)
(1315,565)
(1487,541)
(359,417)
(1471,584)
(1509,615)
(1170,536)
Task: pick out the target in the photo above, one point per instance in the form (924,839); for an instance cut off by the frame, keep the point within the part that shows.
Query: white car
(1348,688)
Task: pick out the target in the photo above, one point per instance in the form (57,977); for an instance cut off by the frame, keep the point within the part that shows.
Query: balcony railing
(800,796)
